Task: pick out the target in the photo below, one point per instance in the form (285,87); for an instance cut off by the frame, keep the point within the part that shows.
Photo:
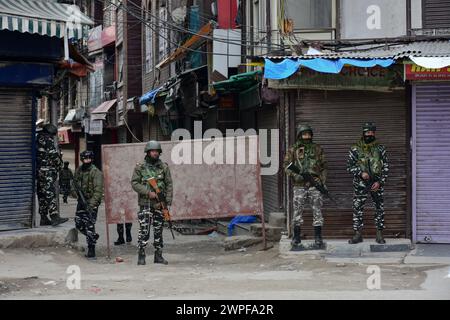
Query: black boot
(120,240)
(296,237)
(380,238)
(141,257)
(357,238)
(45,221)
(128,232)
(159,258)
(91,252)
(56,219)
(318,236)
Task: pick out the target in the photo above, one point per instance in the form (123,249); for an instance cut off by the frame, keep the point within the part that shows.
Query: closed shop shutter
(431,136)
(16,160)
(337,118)
(436,14)
(267,118)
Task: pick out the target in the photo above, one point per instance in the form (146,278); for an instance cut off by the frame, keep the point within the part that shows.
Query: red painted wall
(227,11)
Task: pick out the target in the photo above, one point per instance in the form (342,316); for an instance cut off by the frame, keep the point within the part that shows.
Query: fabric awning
(288,67)
(43,17)
(191,42)
(149,96)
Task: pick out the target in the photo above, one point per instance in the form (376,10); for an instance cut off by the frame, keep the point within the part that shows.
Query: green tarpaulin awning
(239,82)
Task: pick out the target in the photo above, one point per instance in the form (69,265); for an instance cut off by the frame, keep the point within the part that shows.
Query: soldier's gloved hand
(152,195)
(375,187)
(365,176)
(317,180)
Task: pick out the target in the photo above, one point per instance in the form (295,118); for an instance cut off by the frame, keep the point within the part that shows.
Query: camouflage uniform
(149,208)
(65,178)
(90,180)
(48,163)
(360,156)
(309,158)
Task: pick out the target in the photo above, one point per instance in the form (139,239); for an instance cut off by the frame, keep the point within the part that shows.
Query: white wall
(222,62)
(416,14)
(362,19)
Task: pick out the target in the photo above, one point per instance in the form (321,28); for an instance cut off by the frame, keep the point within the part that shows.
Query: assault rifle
(372,178)
(82,200)
(307,177)
(161,198)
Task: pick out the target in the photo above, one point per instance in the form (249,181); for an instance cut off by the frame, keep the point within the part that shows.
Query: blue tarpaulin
(149,96)
(239,219)
(287,67)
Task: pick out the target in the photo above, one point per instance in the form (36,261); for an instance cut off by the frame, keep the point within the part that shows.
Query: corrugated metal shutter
(432,158)
(16,160)
(436,14)
(337,118)
(267,118)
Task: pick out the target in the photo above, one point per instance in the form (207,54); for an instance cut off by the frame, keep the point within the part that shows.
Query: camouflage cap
(87,154)
(369,126)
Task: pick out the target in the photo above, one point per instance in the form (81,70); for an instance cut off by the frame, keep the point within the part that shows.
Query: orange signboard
(415,72)
(64,136)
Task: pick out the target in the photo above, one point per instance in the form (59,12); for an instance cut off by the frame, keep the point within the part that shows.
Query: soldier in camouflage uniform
(48,163)
(152,167)
(309,158)
(65,178)
(90,180)
(369,165)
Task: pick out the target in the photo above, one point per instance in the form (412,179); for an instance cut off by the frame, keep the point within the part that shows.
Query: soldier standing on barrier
(150,209)
(89,180)
(48,164)
(368,163)
(310,159)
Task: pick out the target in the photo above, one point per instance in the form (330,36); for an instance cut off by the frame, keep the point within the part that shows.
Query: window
(163,34)
(120,66)
(148,41)
(309,14)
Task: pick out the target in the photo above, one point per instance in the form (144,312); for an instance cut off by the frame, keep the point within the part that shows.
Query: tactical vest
(65,175)
(307,158)
(86,181)
(370,154)
(153,171)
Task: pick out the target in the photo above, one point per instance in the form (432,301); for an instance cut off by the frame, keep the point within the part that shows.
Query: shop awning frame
(104,107)
(191,42)
(45,18)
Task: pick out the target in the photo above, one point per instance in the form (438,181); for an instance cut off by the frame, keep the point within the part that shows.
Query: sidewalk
(396,251)
(429,254)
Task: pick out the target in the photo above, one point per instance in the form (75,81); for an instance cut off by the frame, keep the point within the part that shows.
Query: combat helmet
(302,128)
(152,145)
(50,129)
